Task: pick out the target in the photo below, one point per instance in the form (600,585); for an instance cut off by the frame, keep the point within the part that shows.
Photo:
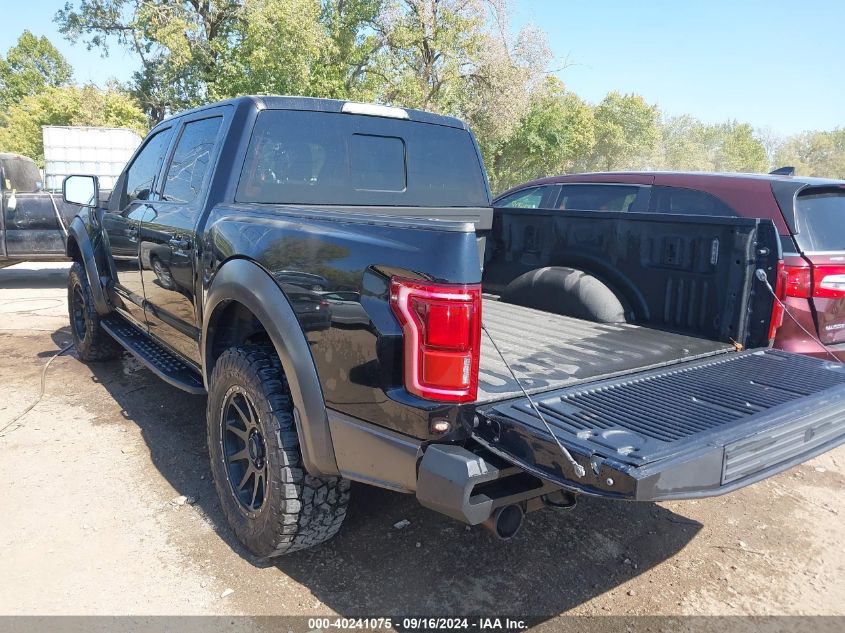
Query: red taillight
(798,282)
(828,281)
(781,282)
(815,280)
(441,324)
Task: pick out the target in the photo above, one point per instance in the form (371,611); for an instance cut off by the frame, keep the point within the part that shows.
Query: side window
(190,161)
(687,202)
(525,199)
(596,197)
(138,182)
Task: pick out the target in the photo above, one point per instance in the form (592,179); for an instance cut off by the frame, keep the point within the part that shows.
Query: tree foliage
(557,132)
(456,57)
(627,133)
(815,153)
(29,67)
(20,124)
(691,145)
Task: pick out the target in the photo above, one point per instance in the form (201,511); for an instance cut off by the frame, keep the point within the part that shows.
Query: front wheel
(273,506)
(92,342)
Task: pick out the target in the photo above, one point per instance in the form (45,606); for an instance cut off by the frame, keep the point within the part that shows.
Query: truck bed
(549,351)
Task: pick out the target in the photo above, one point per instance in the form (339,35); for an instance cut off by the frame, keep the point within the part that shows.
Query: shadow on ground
(435,565)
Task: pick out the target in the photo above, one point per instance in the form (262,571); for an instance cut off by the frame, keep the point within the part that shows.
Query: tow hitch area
(693,430)
(480,488)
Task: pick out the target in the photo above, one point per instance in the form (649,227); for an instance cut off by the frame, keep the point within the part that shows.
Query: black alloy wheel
(245,451)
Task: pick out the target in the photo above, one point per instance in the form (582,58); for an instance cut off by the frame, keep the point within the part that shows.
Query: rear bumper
(447,478)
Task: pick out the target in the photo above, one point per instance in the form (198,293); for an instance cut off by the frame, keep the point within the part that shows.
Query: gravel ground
(90,525)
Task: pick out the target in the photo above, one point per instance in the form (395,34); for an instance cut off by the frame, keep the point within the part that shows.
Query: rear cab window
(327,158)
(20,174)
(820,218)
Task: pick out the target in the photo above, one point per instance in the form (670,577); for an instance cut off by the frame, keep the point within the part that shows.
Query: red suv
(809,214)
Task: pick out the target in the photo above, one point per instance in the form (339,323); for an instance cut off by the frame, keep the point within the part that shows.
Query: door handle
(179,243)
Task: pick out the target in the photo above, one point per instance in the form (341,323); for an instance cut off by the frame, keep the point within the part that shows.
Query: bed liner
(548,351)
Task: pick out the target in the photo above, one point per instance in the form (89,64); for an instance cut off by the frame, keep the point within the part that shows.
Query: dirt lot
(88,524)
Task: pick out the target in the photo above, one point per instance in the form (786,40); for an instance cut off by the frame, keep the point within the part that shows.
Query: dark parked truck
(33,222)
(315,267)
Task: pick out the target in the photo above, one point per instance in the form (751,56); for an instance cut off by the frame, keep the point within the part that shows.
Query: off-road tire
(299,510)
(91,341)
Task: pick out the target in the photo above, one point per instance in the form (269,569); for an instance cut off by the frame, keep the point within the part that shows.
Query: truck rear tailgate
(693,429)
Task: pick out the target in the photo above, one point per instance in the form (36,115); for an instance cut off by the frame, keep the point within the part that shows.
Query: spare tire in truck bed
(569,292)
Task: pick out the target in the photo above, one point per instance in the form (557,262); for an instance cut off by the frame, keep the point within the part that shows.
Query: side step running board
(159,360)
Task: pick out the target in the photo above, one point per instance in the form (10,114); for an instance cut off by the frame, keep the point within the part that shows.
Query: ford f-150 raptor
(333,276)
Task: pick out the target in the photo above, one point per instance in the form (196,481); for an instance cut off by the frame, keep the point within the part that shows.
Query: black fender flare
(78,236)
(568,291)
(245,282)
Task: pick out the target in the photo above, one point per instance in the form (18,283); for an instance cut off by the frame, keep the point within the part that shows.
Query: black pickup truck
(33,222)
(332,275)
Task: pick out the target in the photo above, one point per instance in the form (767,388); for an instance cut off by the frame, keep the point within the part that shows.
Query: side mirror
(84,190)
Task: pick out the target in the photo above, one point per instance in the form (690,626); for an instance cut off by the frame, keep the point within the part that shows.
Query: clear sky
(775,64)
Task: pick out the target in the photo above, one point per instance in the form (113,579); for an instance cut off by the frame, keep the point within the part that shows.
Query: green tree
(457,57)
(691,145)
(317,49)
(688,144)
(627,133)
(20,127)
(178,43)
(815,153)
(29,67)
(740,150)
(555,134)
(193,51)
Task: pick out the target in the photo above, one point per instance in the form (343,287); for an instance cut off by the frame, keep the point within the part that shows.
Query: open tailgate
(695,429)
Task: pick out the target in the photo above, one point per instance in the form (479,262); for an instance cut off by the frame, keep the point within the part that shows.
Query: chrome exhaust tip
(505,521)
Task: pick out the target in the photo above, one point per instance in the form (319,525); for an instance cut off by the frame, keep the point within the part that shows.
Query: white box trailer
(100,151)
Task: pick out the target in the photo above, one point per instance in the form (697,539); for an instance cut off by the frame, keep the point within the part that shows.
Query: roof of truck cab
(10,156)
(316,104)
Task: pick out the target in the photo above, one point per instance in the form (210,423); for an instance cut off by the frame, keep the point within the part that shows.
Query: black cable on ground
(41,393)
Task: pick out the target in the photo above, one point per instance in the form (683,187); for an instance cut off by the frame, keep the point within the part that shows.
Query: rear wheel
(273,506)
(91,341)
(162,273)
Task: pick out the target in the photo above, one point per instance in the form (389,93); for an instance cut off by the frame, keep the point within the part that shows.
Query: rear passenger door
(597,196)
(169,247)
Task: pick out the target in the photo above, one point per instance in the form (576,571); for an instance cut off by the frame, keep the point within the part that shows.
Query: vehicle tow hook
(560,500)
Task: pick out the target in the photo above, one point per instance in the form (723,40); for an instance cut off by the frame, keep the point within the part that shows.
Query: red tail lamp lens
(441,326)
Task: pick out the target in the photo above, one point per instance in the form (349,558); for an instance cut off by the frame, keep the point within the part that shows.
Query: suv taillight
(828,281)
(781,283)
(815,280)
(798,281)
(441,326)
